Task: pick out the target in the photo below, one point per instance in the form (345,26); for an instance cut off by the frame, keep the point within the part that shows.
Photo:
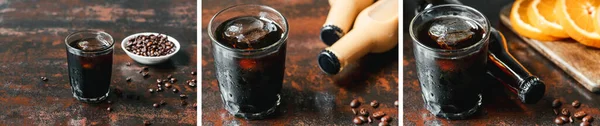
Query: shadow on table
(354,77)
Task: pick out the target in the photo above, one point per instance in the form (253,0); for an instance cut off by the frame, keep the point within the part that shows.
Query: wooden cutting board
(579,61)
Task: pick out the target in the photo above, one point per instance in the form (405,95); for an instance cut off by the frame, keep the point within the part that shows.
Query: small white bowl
(147,59)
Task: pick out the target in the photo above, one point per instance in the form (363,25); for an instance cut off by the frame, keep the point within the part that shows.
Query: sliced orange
(521,25)
(541,15)
(580,20)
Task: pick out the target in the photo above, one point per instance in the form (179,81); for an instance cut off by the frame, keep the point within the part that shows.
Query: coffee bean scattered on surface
(374,104)
(155,105)
(386,119)
(175,90)
(363,112)
(564,118)
(355,103)
(585,124)
(369,119)
(44,78)
(588,118)
(128,79)
(145,74)
(357,121)
(182,96)
(565,112)
(169,76)
(396,103)
(173,80)
(108,109)
(576,104)
(150,45)
(362,118)
(151,90)
(168,85)
(556,103)
(579,114)
(384,124)
(193,73)
(559,121)
(378,114)
(128,64)
(158,81)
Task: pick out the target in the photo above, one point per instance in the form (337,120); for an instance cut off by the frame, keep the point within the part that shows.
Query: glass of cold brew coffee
(451,48)
(249,47)
(90,57)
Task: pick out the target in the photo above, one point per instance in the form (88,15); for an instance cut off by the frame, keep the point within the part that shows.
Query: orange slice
(520,22)
(542,16)
(580,20)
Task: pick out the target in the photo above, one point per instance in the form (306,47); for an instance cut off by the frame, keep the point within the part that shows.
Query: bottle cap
(330,34)
(328,62)
(532,90)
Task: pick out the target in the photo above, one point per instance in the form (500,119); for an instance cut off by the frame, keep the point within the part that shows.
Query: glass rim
(480,42)
(110,46)
(279,42)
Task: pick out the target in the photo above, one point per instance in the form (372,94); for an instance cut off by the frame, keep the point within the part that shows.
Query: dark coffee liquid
(90,75)
(451,85)
(249,84)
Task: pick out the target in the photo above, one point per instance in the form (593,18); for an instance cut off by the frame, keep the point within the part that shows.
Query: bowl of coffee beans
(150,48)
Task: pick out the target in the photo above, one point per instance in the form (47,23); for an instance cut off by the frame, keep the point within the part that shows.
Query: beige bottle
(340,18)
(375,30)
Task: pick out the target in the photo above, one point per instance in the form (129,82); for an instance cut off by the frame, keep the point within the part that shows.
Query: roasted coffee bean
(369,119)
(396,103)
(175,90)
(194,106)
(145,74)
(158,81)
(128,64)
(585,124)
(383,124)
(556,103)
(576,104)
(362,118)
(168,85)
(559,121)
(108,109)
(192,84)
(354,111)
(173,80)
(374,104)
(355,103)
(44,78)
(363,112)
(378,114)
(571,119)
(183,103)
(159,89)
(579,114)
(147,123)
(588,118)
(193,73)
(151,90)
(357,121)
(564,118)
(386,119)
(128,79)
(169,76)
(565,112)
(162,102)
(156,105)
(182,96)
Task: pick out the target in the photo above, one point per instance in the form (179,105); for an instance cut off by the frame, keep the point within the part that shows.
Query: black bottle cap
(532,90)
(328,62)
(330,34)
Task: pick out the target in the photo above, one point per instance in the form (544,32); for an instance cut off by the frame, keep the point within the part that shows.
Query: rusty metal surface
(500,107)
(309,97)
(32,45)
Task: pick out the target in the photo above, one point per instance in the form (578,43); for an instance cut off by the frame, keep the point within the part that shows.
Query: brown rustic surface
(499,106)
(32,45)
(309,97)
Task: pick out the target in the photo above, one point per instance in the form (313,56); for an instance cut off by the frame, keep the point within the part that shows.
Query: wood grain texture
(500,106)
(32,45)
(579,61)
(309,96)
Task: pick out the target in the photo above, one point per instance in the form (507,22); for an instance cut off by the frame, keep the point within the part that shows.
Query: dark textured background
(309,97)
(32,45)
(500,107)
